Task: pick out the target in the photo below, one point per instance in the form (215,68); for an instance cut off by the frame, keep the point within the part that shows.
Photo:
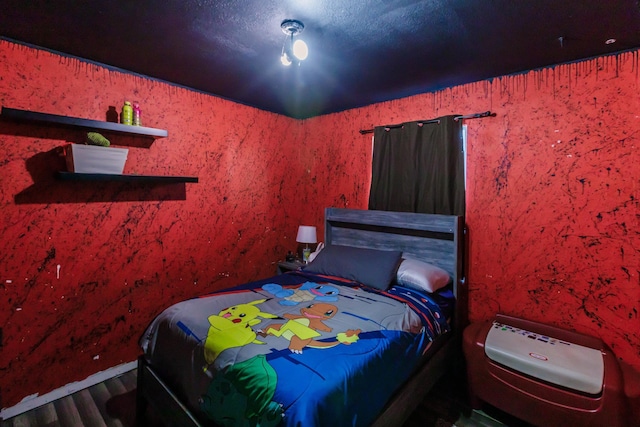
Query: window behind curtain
(419,168)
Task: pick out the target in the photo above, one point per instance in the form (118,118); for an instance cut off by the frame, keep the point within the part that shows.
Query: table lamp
(306,235)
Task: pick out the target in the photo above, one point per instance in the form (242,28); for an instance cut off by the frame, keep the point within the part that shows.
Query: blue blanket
(293,350)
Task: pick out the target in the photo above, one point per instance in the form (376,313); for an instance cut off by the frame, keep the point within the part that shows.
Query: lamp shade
(306,234)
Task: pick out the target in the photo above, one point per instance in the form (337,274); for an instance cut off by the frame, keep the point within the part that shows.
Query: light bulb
(285,59)
(300,50)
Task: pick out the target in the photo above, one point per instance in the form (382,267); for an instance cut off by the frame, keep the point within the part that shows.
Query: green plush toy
(94,138)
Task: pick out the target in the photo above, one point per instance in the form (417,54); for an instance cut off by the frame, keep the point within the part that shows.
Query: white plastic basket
(95,159)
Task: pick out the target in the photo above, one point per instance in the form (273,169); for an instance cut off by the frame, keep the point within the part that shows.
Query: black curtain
(419,168)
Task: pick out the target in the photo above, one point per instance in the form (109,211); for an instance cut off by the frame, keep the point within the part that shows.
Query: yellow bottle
(126,118)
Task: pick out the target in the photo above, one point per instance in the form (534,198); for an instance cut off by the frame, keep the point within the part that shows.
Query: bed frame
(436,239)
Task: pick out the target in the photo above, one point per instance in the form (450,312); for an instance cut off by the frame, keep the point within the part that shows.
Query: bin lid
(553,360)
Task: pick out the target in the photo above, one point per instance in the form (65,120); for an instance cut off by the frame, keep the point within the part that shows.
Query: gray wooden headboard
(436,239)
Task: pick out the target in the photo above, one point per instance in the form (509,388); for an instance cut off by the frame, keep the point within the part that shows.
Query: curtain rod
(425,122)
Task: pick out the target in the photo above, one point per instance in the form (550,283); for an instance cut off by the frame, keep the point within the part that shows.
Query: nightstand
(284,266)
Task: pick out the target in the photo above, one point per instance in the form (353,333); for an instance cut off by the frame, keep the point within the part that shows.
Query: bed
(358,337)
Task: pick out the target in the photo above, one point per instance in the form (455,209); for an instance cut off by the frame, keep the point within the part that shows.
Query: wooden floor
(113,404)
(446,406)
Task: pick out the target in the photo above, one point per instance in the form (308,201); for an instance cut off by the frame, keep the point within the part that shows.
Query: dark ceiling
(360,52)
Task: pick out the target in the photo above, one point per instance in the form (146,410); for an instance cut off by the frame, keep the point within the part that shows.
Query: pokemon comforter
(293,350)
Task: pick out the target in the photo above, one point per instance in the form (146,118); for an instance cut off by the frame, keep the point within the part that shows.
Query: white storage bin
(95,159)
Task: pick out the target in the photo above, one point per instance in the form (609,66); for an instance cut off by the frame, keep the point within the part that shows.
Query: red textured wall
(552,191)
(121,262)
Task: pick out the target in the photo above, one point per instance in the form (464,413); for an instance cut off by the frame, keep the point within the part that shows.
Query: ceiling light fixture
(293,52)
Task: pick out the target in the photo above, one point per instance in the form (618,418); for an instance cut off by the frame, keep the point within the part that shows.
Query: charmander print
(301,329)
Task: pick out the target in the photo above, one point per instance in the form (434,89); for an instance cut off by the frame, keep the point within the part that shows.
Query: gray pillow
(371,267)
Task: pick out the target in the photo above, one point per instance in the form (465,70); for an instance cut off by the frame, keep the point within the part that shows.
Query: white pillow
(421,276)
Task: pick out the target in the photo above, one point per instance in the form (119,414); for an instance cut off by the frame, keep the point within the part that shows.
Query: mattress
(295,349)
